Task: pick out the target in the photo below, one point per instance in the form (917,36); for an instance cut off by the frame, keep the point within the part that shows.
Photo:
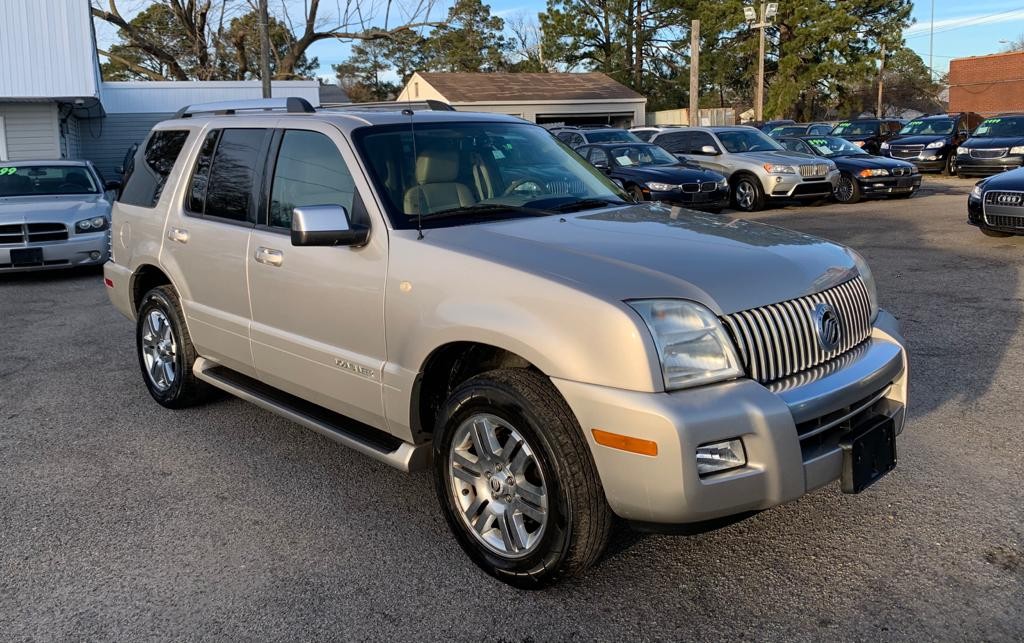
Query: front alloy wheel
(748,195)
(847,190)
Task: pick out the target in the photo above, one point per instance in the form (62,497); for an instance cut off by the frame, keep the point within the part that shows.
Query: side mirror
(326,225)
(709,150)
(112,186)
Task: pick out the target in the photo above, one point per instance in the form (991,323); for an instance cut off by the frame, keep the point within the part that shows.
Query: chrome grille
(779,340)
(815,169)
(905,151)
(1005,199)
(993,153)
(22,233)
(566,186)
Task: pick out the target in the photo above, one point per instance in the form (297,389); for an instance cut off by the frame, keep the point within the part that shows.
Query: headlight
(885,145)
(693,347)
(775,168)
(935,144)
(913,169)
(873,172)
(976,191)
(94,224)
(1017,149)
(868,279)
(661,187)
(961,150)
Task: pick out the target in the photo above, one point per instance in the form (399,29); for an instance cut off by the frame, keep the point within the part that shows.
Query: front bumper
(886,185)
(693,200)
(927,160)
(666,489)
(968,165)
(976,217)
(77,250)
(792,186)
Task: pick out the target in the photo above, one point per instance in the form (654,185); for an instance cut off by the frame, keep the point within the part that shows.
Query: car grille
(813,170)
(780,340)
(905,151)
(1004,221)
(21,233)
(901,171)
(706,186)
(992,153)
(823,434)
(566,186)
(1005,199)
(1004,208)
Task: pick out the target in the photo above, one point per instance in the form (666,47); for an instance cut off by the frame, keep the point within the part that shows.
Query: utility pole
(931,45)
(264,48)
(881,82)
(694,116)
(766,12)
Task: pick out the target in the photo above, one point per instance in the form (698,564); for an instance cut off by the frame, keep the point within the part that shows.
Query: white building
(53,103)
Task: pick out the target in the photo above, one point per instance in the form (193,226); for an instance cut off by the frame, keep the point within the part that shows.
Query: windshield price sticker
(992,121)
(7,171)
(817,141)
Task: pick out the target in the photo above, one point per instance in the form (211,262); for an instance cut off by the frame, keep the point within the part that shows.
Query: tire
(949,169)
(995,233)
(165,351)
(847,189)
(559,532)
(638,194)
(747,194)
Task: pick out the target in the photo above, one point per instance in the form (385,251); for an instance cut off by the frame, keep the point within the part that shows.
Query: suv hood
(650,251)
(55,208)
(918,139)
(993,141)
(868,161)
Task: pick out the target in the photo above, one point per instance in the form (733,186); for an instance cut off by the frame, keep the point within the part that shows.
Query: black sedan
(995,146)
(861,174)
(996,205)
(650,173)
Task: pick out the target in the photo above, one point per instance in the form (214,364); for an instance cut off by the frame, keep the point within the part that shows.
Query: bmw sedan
(53,214)
(860,174)
(650,173)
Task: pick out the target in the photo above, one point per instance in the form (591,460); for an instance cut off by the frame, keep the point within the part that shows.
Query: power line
(967,23)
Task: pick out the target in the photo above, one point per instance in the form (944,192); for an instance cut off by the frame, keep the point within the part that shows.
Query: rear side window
(309,171)
(148,174)
(675,142)
(223,184)
(644,134)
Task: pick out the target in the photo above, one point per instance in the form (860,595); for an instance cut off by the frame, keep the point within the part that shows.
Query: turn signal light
(625,442)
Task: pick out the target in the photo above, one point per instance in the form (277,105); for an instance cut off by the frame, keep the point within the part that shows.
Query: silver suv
(758,167)
(458,292)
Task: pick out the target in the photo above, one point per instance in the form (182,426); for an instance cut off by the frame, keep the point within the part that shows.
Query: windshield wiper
(493,209)
(585,204)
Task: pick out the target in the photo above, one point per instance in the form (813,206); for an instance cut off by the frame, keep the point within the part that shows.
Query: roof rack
(428,105)
(291,104)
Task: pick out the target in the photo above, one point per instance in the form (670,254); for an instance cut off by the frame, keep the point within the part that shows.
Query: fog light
(94,255)
(720,456)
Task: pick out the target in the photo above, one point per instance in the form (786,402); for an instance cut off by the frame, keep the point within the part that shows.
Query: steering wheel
(516,186)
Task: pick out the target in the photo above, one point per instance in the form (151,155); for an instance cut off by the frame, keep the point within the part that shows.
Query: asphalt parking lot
(120,519)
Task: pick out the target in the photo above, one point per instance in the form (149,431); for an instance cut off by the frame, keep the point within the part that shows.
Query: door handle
(178,234)
(269,256)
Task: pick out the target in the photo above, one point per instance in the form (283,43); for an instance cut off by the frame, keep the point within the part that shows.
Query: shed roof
(469,87)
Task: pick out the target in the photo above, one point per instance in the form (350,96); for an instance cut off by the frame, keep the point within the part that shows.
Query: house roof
(468,87)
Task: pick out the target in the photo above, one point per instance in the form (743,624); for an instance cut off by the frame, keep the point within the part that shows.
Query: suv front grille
(780,340)
(22,233)
(813,170)
(905,151)
(1003,208)
(993,153)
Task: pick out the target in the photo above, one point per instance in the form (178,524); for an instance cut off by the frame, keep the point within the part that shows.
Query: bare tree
(1017,44)
(525,42)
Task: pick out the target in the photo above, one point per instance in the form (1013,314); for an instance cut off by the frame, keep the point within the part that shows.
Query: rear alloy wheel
(748,195)
(165,351)
(847,189)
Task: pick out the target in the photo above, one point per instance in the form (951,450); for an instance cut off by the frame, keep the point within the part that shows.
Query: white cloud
(974,20)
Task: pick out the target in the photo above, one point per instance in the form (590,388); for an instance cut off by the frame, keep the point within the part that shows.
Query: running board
(364,438)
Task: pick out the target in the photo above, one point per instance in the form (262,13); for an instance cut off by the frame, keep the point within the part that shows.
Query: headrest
(437,166)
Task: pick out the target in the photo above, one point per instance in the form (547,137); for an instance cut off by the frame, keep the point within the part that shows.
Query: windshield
(746,140)
(833,146)
(642,156)
(939,127)
(29,180)
(788,130)
(612,136)
(465,172)
(857,128)
(1000,126)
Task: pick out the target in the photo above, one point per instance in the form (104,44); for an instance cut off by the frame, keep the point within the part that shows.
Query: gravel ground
(122,520)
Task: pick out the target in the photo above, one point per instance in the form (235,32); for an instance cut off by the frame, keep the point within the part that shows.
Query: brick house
(987,84)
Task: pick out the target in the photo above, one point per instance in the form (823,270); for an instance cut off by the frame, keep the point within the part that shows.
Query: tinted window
(644,134)
(819,129)
(146,180)
(699,140)
(857,128)
(229,193)
(309,171)
(611,136)
(597,156)
(675,142)
(201,174)
(794,145)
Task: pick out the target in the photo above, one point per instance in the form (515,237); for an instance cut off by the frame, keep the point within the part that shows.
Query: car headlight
(961,150)
(879,171)
(95,224)
(885,145)
(776,168)
(868,279)
(913,169)
(1017,149)
(660,187)
(976,191)
(693,347)
(935,144)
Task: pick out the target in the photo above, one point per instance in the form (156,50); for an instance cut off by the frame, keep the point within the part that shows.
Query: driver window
(794,145)
(309,171)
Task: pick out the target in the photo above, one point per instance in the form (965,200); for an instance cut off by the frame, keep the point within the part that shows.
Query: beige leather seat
(436,186)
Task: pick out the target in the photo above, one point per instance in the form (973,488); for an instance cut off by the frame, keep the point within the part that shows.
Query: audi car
(860,174)
(995,146)
(930,142)
(996,204)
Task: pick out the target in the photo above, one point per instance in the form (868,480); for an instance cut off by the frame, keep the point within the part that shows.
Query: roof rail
(292,104)
(428,105)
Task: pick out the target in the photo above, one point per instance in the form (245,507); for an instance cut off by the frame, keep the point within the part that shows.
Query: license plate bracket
(869,452)
(26,257)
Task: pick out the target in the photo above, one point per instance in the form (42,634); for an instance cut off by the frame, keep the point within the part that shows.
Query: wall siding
(104,141)
(31,130)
